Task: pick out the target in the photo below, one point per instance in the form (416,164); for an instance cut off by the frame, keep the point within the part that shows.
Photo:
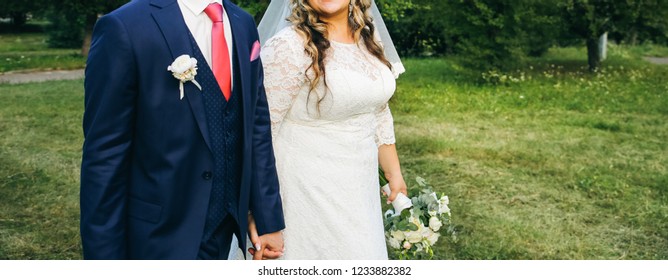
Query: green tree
(254,7)
(73,21)
(416,26)
(589,19)
(90,10)
(492,34)
(65,29)
(485,34)
(18,10)
(638,21)
(394,10)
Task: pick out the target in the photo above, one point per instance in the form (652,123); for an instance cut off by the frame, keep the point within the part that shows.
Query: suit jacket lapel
(241,54)
(169,18)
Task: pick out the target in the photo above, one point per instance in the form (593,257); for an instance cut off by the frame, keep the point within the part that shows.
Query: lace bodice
(327,152)
(359,87)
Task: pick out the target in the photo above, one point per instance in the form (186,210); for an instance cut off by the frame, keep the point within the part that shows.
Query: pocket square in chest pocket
(255,51)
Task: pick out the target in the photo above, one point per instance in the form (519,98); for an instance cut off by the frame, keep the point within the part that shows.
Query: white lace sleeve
(284,65)
(385,126)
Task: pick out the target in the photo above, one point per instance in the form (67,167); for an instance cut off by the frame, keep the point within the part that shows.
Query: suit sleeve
(108,125)
(265,200)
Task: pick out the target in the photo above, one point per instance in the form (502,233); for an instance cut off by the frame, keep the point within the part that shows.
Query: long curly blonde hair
(308,24)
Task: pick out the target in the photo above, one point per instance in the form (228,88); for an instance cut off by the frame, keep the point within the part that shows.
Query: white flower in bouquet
(435,223)
(398,235)
(407,245)
(430,236)
(426,232)
(445,209)
(414,237)
(443,205)
(433,238)
(394,243)
(395,238)
(444,200)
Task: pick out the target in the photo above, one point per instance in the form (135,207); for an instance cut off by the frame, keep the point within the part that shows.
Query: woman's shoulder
(287,35)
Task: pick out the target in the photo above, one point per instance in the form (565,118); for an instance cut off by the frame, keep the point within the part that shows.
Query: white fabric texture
(327,157)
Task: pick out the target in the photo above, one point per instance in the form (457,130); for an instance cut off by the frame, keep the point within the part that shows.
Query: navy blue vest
(225,124)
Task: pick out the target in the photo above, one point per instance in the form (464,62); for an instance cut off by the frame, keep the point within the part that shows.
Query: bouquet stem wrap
(400,203)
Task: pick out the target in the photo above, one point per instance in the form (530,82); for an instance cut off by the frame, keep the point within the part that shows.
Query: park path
(657,60)
(41,76)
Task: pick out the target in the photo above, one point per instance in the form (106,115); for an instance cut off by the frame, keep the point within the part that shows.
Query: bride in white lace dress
(331,126)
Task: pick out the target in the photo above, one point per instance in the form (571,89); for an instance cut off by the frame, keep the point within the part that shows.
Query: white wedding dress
(327,157)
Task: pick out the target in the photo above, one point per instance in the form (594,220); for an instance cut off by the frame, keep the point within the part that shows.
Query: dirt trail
(657,60)
(28,77)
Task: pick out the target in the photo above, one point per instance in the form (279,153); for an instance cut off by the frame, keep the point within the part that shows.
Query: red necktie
(220,56)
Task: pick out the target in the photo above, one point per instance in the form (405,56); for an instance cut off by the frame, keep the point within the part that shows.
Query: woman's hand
(397,185)
(389,162)
(268,246)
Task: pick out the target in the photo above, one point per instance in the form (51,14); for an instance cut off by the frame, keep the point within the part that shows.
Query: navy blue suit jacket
(147,162)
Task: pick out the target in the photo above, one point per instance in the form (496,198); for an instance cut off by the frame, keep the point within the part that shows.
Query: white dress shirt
(200,26)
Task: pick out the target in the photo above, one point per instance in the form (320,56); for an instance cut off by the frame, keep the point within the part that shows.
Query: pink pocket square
(255,52)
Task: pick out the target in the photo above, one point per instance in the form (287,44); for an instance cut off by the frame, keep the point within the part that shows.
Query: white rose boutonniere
(184,69)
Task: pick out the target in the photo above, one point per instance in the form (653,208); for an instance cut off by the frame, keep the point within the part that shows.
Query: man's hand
(267,246)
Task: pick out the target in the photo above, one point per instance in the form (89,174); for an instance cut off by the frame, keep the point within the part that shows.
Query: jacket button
(207,175)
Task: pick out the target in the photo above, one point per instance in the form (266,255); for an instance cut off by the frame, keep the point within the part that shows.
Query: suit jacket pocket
(143,210)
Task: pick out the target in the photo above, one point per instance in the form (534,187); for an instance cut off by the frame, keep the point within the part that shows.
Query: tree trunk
(88,33)
(633,37)
(19,19)
(593,54)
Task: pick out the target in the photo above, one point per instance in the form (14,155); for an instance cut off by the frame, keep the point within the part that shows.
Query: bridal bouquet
(416,223)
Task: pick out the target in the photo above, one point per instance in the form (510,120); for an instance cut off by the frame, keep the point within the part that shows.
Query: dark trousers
(218,246)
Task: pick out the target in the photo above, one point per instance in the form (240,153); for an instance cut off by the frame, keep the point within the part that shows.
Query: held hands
(267,246)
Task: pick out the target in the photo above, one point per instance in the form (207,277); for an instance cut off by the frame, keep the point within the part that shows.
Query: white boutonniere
(184,68)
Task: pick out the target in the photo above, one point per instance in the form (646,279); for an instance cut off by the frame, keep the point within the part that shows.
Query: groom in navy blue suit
(165,177)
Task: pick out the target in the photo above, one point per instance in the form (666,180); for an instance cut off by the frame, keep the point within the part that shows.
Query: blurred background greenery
(485,34)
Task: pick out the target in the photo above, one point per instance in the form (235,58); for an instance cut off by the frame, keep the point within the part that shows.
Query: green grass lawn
(557,164)
(550,162)
(40,144)
(29,51)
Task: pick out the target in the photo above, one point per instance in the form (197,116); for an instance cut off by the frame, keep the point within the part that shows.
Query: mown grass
(560,164)
(550,162)
(40,143)
(29,51)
